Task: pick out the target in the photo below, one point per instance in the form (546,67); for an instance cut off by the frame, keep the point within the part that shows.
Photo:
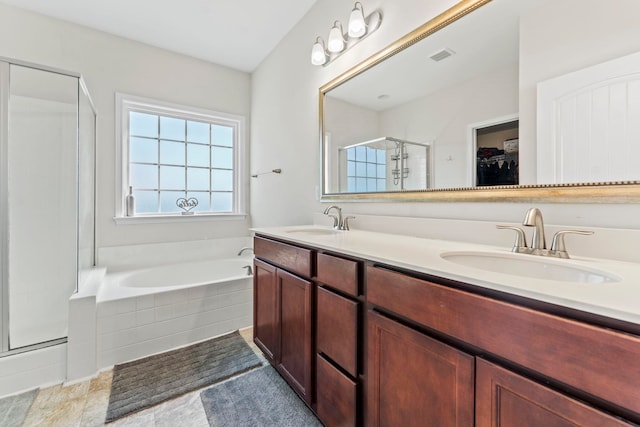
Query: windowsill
(157,219)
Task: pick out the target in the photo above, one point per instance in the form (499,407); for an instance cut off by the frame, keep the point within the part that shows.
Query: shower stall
(47,201)
(385,164)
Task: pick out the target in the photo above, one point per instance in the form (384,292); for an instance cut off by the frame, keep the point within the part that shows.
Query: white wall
(440,119)
(345,124)
(443,117)
(606,30)
(111,64)
(285,125)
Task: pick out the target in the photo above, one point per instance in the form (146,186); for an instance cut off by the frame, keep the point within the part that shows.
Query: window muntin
(171,153)
(366,169)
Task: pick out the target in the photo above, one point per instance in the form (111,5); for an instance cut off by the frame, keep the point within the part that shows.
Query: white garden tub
(154,309)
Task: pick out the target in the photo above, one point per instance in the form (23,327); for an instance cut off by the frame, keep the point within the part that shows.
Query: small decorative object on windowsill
(187,204)
(131,203)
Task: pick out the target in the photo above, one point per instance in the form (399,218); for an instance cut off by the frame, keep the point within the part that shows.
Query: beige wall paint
(285,127)
(281,100)
(111,64)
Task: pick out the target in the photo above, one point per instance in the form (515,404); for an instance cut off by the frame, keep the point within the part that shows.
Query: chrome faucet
(337,220)
(339,223)
(533,218)
(558,248)
(245,249)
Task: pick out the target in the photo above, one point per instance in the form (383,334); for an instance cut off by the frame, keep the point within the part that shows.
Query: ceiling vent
(442,54)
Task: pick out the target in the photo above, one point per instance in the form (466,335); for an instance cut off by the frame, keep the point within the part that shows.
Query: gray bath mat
(258,398)
(146,382)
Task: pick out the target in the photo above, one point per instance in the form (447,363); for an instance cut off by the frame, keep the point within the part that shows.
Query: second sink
(530,266)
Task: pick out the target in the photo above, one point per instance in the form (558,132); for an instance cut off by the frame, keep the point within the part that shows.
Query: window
(172,154)
(366,169)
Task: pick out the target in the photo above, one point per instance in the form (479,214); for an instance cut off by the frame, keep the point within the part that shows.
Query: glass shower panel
(86,184)
(42,203)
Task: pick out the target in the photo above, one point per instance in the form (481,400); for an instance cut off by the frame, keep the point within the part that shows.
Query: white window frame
(126,103)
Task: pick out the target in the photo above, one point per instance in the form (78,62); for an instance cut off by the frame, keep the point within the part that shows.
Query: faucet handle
(520,245)
(558,247)
(345,222)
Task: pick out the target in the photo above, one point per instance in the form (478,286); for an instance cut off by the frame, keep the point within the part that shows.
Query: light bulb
(357,26)
(318,55)
(335,43)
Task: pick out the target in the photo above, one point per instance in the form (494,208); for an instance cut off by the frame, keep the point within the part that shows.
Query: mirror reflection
(384,164)
(516,92)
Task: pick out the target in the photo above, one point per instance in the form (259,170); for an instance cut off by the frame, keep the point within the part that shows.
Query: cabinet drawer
(599,361)
(337,326)
(339,273)
(337,399)
(293,258)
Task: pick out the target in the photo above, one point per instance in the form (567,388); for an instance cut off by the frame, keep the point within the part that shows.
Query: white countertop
(618,300)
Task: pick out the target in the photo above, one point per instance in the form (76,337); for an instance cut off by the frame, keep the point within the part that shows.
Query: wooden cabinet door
(337,326)
(506,399)
(295,314)
(414,380)
(265,309)
(336,396)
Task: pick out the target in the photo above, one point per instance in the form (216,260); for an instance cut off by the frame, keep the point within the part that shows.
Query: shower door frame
(5,64)
(4,205)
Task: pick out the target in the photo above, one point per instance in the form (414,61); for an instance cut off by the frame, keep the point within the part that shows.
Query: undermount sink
(533,266)
(313,230)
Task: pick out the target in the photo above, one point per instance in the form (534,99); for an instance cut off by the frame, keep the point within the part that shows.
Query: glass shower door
(42,152)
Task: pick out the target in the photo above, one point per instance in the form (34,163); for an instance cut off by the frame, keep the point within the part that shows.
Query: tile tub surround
(88,322)
(137,322)
(81,342)
(135,327)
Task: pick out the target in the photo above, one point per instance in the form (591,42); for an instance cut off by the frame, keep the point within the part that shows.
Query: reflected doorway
(495,152)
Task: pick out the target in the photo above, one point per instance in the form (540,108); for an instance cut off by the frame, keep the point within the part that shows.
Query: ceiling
(485,41)
(234,33)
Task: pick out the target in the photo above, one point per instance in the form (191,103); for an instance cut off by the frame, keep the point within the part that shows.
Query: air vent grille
(442,54)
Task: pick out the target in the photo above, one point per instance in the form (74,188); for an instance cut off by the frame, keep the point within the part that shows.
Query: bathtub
(177,276)
(188,274)
(153,309)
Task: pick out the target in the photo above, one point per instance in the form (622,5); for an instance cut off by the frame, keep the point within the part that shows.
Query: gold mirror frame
(602,192)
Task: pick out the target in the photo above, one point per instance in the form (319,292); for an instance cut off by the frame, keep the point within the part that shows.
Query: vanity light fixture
(338,42)
(318,52)
(357,26)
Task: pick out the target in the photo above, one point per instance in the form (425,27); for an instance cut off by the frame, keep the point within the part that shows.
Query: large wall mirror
(493,99)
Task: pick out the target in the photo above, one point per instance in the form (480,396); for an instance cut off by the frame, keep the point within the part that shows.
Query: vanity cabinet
(570,357)
(283,311)
(368,344)
(338,340)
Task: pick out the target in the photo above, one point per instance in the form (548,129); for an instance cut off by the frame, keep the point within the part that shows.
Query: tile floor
(85,404)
